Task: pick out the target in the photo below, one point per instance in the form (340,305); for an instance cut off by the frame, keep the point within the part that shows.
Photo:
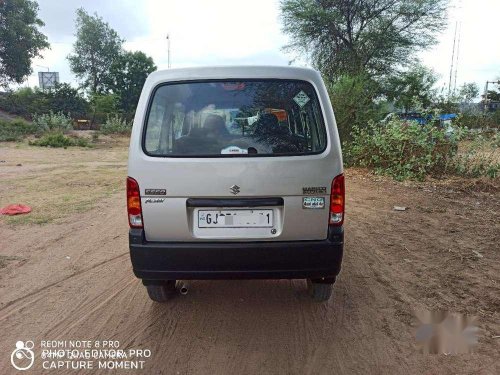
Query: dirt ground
(70,278)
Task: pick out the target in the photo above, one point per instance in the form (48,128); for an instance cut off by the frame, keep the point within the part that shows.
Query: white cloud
(212,32)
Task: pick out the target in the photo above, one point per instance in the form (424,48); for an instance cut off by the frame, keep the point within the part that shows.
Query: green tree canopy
(353,36)
(20,39)
(415,83)
(354,101)
(96,48)
(66,99)
(27,102)
(468,92)
(127,76)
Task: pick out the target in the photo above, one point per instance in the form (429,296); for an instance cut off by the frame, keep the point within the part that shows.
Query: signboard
(48,80)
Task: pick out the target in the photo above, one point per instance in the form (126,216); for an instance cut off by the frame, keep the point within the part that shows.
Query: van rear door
(244,160)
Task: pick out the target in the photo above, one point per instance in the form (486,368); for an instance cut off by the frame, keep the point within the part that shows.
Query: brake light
(337,201)
(134,203)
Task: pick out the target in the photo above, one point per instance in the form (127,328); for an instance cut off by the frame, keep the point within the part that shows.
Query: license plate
(235,218)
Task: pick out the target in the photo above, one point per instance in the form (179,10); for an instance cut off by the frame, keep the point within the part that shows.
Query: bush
(479,157)
(116,125)
(66,99)
(496,119)
(15,130)
(353,98)
(28,102)
(24,102)
(58,139)
(53,122)
(103,106)
(402,150)
(478,121)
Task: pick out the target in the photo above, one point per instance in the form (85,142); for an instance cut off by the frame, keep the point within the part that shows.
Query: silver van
(235,173)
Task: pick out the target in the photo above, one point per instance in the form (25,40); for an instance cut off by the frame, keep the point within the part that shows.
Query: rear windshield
(235,118)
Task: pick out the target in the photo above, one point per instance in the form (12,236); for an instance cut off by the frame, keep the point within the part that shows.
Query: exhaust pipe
(184,288)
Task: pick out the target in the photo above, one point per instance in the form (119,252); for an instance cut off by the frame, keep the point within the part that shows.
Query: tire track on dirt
(51,285)
(87,308)
(262,326)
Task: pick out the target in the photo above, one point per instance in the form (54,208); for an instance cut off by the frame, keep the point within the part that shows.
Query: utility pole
(168,51)
(452,59)
(458,55)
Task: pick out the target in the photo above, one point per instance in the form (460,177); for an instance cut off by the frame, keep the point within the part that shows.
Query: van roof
(237,72)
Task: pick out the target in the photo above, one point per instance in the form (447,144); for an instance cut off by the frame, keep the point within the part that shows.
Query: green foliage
(23,101)
(347,37)
(417,83)
(103,106)
(478,121)
(402,150)
(127,76)
(468,92)
(353,99)
(15,130)
(494,95)
(496,119)
(52,122)
(20,39)
(446,104)
(116,125)
(28,102)
(96,48)
(66,99)
(58,139)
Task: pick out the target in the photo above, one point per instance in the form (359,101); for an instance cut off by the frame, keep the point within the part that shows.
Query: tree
(96,48)
(127,76)
(468,92)
(27,102)
(20,39)
(103,106)
(353,36)
(66,99)
(354,101)
(415,83)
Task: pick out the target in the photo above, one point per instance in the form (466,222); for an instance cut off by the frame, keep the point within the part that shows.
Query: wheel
(161,292)
(320,290)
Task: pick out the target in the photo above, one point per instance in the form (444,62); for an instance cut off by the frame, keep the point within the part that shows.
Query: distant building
(493,106)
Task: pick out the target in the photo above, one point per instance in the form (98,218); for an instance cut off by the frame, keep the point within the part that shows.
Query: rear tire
(161,292)
(319,291)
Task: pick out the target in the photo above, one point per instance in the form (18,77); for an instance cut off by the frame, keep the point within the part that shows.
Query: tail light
(337,201)
(134,204)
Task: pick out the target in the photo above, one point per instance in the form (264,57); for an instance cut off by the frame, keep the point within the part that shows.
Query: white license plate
(235,218)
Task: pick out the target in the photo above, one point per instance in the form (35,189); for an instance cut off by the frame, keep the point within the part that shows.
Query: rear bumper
(155,261)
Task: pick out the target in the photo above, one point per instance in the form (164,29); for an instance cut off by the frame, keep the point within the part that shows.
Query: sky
(235,32)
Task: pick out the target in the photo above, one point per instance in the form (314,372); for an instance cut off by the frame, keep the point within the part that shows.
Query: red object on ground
(15,209)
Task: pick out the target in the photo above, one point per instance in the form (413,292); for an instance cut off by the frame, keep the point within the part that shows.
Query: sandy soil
(72,279)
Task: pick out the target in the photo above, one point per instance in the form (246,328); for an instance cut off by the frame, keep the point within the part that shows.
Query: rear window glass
(235,118)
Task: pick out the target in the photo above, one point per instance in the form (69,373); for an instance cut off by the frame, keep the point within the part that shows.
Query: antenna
(458,55)
(168,51)
(452,59)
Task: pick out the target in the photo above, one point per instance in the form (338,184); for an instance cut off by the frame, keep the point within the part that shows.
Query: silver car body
(169,217)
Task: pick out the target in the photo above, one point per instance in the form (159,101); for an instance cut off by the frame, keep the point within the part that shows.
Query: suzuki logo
(235,189)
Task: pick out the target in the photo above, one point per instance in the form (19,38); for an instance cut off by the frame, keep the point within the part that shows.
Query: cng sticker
(313,202)
(301,99)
